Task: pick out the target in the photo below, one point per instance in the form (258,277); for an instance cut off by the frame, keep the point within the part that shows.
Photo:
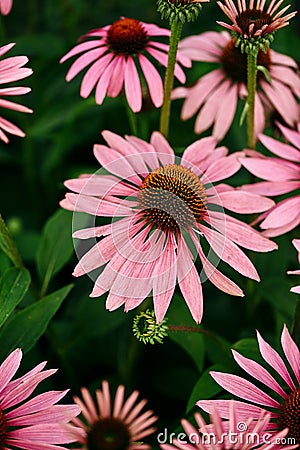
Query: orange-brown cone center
(127,37)
(109,434)
(172,198)
(290,415)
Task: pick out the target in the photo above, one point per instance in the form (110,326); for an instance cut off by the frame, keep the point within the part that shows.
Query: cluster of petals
(226,434)
(36,423)
(111,70)
(276,19)
(126,416)
(282,173)
(248,391)
(296,243)
(140,258)
(12,69)
(5,6)
(214,97)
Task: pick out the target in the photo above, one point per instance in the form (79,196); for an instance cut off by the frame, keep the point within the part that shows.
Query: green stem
(295,332)
(251,86)
(131,119)
(169,78)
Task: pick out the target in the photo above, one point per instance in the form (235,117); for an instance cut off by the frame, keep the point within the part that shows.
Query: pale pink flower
(228,434)
(255,21)
(283,176)
(119,427)
(216,94)
(11,69)
(283,404)
(116,54)
(165,207)
(35,424)
(5,6)
(296,243)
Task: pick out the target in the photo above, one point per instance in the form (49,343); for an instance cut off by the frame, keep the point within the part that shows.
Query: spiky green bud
(146,330)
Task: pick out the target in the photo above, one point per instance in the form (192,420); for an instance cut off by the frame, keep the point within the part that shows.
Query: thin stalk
(176,29)
(131,119)
(251,86)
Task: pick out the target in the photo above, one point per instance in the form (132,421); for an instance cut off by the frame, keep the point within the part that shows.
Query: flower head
(216,94)
(296,243)
(254,25)
(146,330)
(5,6)
(115,54)
(11,69)
(180,10)
(282,173)
(117,428)
(283,405)
(163,208)
(233,433)
(36,423)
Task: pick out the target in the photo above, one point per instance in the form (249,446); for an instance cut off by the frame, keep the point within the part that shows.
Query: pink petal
(93,75)
(83,61)
(226,113)
(242,202)
(243,410)
(223,168)
(244,389)
(154,81)
(164,151)
(291,352)
(103,82)
(9,367)
(259,373)
(280,149)
(269,169)
(84,46)
(283,213)
(230,253)
(133,88)
(117,77)
(274,360)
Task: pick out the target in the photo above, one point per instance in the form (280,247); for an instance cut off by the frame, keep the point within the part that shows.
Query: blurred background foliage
(76,333)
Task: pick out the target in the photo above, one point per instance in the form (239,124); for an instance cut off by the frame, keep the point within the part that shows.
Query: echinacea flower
(296,243)
(116,54)
(283,176)
(5,6)
(37,423)
(283,404)
(162,209)
(11,69)
(214,97)
(117,427)
(228,434)
(255,21)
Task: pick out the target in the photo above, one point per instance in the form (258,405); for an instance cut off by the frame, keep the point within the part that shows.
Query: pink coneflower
(255,21)
(216,94)
(165,208)
(296,243)
(35,424)
(116,55)
(284,405)
(5,6)
(283,176)
(11,69)
(120,427)
(228,434)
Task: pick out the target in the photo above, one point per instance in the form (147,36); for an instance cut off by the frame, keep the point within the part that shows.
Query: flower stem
(131,119)
(176,28)
(251,86)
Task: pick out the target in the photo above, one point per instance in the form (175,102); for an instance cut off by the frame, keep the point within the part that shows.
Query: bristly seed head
(172,198)
(127,37)
(290,415)
(252,21)
(109,434)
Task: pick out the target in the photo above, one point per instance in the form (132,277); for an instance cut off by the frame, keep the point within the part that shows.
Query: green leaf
(248,347)
(25,327)
(14,284)
(205,388)
(56,246)
(7,245)
(192,343)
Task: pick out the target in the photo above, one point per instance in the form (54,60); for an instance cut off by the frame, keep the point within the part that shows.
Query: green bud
(146,330)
